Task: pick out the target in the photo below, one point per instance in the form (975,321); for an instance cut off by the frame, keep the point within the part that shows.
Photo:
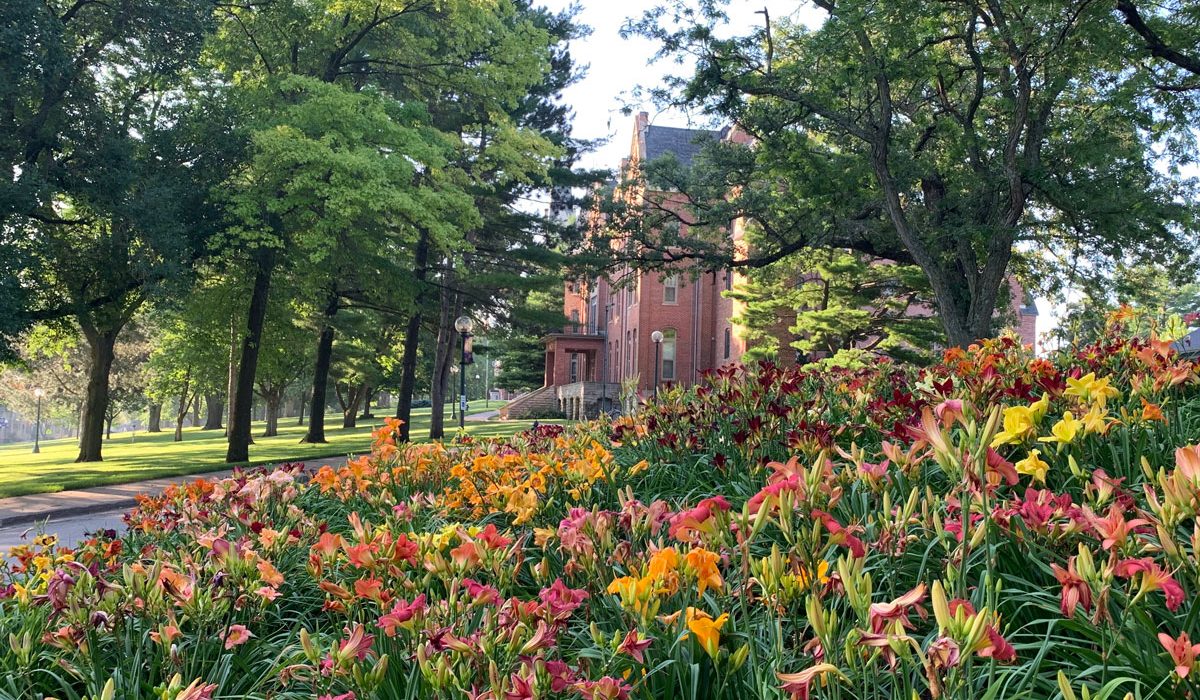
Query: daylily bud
(1064,686)
(737,658)
(941,608)
(110,690)
(310,650)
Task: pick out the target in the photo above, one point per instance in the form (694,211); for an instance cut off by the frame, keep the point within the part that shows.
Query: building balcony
(588,329)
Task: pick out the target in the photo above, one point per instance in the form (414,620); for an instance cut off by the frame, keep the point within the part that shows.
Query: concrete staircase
(539,401)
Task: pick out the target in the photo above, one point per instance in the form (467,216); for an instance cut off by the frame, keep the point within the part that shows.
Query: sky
(615,66)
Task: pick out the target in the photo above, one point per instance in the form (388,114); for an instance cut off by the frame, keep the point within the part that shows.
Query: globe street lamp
(37,434)
(657,337)
(463,325)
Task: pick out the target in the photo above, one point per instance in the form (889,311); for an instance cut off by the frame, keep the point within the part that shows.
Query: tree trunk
(350,409)
(451,306)
(316,419)
(239,431)
(183,407)
(108,427)
(300,418)
(95,406)
(408,376)
(366,402)
(216,407)
(272,400)
(154,425)
(412,336)
(231,379)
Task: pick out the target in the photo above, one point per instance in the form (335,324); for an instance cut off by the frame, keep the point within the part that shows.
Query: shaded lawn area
(134,457)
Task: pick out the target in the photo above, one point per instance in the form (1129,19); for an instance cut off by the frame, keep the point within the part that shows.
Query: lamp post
(657,337)
(487,382)
(37,432)
(463,325)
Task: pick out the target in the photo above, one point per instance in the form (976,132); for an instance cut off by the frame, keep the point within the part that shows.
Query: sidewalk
(26,510)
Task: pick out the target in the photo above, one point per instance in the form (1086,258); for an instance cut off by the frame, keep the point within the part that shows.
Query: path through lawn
(134,457)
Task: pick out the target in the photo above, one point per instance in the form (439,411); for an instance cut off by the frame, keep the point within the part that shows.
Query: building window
(728,280)
(728,342)
(671,289)
(635,352)
(574,374)
(628,352)
(668,355)
(575,316)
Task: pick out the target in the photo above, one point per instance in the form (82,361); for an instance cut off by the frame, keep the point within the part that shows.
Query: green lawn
(133,457)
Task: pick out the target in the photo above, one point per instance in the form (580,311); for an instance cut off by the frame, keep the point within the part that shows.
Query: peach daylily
(236,636)
(799,685)
(1187,461)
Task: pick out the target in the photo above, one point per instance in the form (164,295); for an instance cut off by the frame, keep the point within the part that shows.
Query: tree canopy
(952,136)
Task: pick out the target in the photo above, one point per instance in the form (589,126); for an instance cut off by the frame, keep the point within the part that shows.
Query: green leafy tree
(1169,32)
(522,355)
(935,134)
(338,119)
(105,205)
(829,301)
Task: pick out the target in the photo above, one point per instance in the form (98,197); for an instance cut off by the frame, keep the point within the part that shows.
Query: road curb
(67,512)
(111,502)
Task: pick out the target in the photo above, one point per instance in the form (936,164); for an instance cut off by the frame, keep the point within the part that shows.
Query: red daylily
(1075,591)
(634,645)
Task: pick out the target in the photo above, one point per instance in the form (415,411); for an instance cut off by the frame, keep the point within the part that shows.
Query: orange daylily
(706,629)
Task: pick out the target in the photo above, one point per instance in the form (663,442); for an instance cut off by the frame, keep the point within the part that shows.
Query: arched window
(728,342)
(668,355)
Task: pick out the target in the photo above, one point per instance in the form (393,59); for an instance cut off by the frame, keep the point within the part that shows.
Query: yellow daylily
(804,578)
(706,629)
(1096,420)
(1065,431)
(1090,388)
(1018,423)
(1033,466)
(1038,409)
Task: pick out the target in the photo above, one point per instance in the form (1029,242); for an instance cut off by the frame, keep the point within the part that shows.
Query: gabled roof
(684,143)
(1188,345)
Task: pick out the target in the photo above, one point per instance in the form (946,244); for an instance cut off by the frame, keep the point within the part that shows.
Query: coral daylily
(1153,578)
(197,690)
(1183,652)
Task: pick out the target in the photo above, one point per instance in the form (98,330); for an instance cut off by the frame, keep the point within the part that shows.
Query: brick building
(610,324)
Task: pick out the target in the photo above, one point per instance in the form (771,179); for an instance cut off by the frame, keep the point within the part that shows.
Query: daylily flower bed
(997,526)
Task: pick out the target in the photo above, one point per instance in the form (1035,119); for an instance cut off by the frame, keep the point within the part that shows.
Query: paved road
(69,530)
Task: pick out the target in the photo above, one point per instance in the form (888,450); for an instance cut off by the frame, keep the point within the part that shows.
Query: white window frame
(671,284)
